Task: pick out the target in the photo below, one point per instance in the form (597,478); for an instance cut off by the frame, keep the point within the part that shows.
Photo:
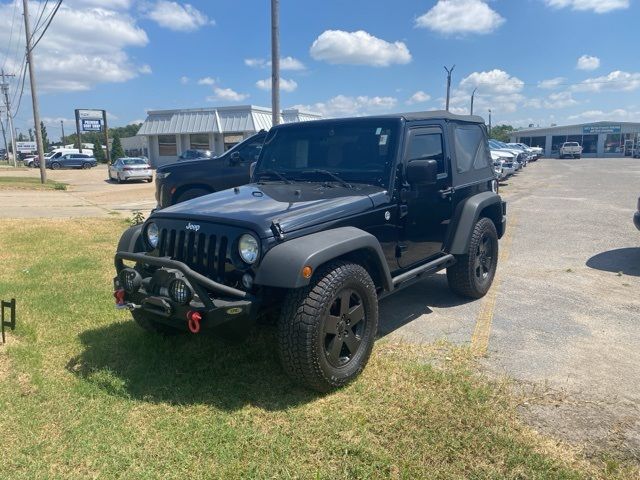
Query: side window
(471,151)
(427,146)
(249,153)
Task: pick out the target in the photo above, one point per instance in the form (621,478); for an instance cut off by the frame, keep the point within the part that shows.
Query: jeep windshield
(343,152)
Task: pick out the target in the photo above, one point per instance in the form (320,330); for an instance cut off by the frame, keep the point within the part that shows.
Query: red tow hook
(119,296)
(193,321)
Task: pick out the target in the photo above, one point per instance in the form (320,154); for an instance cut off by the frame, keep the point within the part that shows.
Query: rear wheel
(55,166)
(146,322)
(327,329)
(471,276)
(191,194)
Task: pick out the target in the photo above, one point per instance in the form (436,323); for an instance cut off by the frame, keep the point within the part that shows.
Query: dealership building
(168,133)
(599,139)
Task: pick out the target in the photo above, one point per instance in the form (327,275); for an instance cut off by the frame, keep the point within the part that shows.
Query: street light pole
(489,122)
(449,70)
(62,127)
(275,62)
(12,131)
(34,93)
(472,97)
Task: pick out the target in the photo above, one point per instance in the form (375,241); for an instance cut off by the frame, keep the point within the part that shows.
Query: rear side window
(427,146)
(471,151)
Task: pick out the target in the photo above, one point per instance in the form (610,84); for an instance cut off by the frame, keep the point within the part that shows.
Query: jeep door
(425,209)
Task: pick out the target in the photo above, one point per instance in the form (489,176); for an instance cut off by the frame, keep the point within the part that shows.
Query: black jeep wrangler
(340,214)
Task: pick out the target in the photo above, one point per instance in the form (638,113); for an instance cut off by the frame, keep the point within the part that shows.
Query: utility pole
(472,97)
(275,62)
(449,70)
(62,127)
(489,122)
(4,135)
(5,91)
(34,93)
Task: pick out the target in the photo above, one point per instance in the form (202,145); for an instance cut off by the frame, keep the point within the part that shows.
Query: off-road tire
(463,276)
(146,322)
(305,317)
(191,194)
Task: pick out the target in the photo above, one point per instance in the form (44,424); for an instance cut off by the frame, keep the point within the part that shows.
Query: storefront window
(557,141)
(232,140)
(589,144)
(200,141)
(525,140)
(538,142)
(167,146)
(612,143)
(575,138)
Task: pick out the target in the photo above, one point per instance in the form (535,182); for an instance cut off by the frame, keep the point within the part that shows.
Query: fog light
(247,281)
(180,292)
(131,280)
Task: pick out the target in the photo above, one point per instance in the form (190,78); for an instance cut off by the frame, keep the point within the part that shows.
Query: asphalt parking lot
(89,194)
(561,320)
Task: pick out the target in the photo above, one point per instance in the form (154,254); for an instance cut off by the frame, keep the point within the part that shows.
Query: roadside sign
(90,125)
(26,147)
(90,114)
(595,129)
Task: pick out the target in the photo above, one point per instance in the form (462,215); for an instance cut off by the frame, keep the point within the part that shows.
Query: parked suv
(71,160)
(182,181)
(340,213)
(570,149)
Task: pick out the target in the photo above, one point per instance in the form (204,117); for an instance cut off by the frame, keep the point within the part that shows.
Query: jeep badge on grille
(191,226)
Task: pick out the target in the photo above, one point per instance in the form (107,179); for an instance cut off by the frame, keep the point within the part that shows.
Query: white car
(506,162)
(130,168)
(570,149)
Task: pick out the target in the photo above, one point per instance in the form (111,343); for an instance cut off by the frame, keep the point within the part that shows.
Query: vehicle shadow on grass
(625,260)
(122,360)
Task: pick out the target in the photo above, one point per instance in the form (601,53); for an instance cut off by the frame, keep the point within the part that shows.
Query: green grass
(29,183)
(85,393)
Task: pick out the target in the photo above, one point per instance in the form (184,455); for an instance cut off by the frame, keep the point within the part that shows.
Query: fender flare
(282,265)
(131,240)
(469,213)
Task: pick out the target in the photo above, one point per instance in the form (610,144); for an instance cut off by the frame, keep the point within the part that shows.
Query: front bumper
(216,303)
(636,219)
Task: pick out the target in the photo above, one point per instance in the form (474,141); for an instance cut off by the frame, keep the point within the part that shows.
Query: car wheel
(149,180)
(55,166)
(118,178)
(86,166)
(471,276)
(191,194)
(326,330)
(146,322)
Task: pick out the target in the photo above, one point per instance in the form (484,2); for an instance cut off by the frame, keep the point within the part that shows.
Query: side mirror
(422,172)
(252,169)
(235,158)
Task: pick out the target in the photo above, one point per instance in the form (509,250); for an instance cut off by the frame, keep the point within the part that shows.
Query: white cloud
(615,81)
(418,97)
(285,85)
(108,4)
(67,64)
(597,6)
(145,69)
(286,63)
(559,100)
(492,82)
(178,17)
(343,106)
(552,83)
(227,95)
(184,80)
(206,81)
(358,48)
(587,62)
(618,114)
(460,17)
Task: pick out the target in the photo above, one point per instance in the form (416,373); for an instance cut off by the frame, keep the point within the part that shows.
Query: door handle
(447,192)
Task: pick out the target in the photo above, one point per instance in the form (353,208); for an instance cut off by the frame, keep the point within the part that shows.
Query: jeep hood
(290,206)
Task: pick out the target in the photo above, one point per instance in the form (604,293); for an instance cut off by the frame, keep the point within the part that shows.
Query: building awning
(176,122)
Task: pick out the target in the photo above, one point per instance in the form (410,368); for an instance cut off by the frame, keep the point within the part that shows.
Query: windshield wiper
(332,175)
(270,171)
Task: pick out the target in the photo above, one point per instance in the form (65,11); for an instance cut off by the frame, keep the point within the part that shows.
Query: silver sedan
(130,168)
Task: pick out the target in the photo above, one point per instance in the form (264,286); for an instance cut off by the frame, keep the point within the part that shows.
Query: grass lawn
(85,393)
(29,183)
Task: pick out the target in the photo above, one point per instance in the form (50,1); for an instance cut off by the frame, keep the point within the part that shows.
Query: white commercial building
(168,133)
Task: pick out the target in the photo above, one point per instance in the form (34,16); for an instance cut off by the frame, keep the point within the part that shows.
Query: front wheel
(118,178)
(326,330)
(55,166)
(471,276)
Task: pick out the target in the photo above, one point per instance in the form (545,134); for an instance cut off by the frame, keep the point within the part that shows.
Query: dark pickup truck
(189,179)
(340,214)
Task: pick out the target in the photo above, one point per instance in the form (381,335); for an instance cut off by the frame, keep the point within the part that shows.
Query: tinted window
(471,152)
(167,145)
(250,152)
(133,161)
(427,147)
(358,151)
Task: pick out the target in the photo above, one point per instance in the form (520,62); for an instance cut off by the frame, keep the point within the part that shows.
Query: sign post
(91,121)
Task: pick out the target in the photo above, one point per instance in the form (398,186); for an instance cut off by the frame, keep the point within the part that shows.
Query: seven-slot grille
(206,254)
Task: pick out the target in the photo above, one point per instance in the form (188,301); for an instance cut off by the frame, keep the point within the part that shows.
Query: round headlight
(153,235)
(180,292)
(248,248)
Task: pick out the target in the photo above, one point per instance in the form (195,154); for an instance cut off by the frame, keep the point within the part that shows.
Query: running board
(427,268)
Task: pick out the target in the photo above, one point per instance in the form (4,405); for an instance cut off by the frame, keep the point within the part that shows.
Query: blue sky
(532,61)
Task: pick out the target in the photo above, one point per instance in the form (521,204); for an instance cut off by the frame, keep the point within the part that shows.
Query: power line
(46,27)
(43,7)
(13,21)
